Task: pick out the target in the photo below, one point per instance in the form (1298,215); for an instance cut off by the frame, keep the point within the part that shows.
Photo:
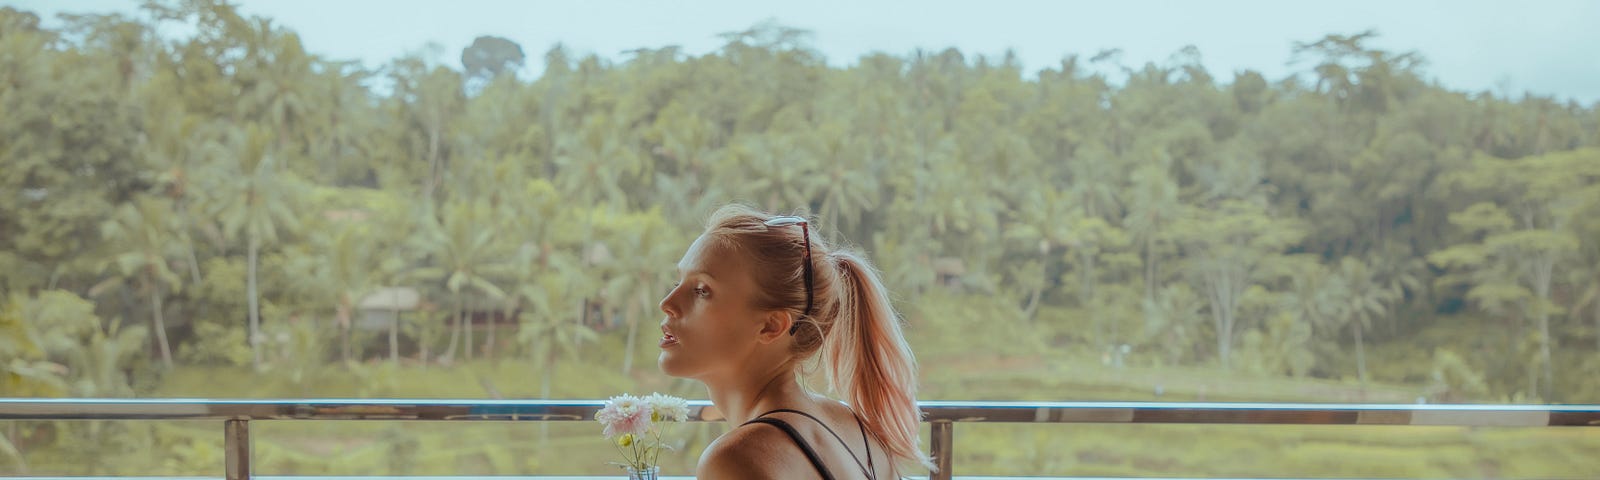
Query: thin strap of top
(871,469)
(811,455)
(866,469)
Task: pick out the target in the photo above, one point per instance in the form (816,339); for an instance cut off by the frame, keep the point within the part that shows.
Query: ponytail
(863,354)
(869,362)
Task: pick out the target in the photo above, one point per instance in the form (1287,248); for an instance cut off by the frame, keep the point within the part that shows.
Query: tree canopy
(228,198)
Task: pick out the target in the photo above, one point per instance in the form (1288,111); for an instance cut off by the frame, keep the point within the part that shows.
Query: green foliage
(227,198)
(489,56)
(1060,192)
(1173,323)
(23,356)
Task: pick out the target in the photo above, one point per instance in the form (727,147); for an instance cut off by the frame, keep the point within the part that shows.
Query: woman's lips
(668,340)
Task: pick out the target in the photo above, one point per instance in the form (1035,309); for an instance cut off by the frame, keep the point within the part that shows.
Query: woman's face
(711,322)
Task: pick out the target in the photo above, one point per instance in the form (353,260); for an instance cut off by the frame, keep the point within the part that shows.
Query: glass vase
(646,474)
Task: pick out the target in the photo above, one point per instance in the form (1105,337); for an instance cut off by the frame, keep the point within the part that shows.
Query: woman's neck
(741,399)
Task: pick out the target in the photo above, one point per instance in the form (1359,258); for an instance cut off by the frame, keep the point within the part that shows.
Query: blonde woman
(758,295)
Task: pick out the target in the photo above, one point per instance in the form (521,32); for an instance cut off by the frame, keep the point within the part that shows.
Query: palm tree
(275,71)
(466,255)
(846,196)
(593,164)
(432,98)
(775,170)
(691,199)
(552,327)
(939,190)
(1044,219)
(340,144)
(1094,183)
(1365,299)
(253,195)
(337,268)
(149,235)
(1152,208)
(177,145)
(1399,271)
(1316,297)
(635,279)
(907,259)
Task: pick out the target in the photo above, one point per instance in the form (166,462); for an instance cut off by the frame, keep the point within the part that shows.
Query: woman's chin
(667,365)
(679,363)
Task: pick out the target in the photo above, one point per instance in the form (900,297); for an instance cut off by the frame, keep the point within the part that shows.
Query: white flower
(635,425)
(624,415)
(667,408)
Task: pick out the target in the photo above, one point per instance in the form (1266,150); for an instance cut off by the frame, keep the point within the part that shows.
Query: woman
(757,296)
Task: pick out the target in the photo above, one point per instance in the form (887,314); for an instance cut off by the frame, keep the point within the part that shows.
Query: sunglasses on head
(805,233)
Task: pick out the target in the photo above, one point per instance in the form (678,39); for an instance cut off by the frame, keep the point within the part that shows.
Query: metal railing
(236,415)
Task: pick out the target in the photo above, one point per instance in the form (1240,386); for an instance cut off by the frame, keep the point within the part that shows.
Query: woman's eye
(701,291)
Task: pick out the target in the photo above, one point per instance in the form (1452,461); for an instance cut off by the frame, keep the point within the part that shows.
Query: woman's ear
(774,325)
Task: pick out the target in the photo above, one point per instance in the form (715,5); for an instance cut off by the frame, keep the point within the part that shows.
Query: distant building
(383,307)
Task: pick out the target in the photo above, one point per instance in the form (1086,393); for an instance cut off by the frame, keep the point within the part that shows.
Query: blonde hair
(852,323)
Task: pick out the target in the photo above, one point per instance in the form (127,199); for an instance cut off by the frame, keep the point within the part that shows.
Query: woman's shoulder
(749,451)
(837,410)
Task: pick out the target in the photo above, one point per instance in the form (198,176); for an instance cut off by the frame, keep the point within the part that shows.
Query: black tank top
(811,454)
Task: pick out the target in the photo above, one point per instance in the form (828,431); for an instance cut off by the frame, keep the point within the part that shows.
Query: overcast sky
(1547,47)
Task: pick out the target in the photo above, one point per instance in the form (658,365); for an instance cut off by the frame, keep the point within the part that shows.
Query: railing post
(237,449)
(943,448)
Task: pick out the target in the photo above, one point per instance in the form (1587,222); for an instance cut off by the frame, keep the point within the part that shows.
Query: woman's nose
(666,305)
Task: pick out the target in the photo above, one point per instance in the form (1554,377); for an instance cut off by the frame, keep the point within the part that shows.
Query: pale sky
(1548,47)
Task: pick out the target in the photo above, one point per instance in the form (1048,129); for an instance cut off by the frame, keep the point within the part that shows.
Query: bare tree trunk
(1361,355)
(1219,288)
(179,207)
(1033,305)
(255,310)
(488,345)
(433,162)
(1544,354)
(423,339)
(194,265)
(160,324)
(633,343)
(1086,296)
(1543,272)
(1533,383)
(466,327)
(394,338)
(344,327)
(455,331)
(1085,280)
(1149,268)
(488,349)
(645,302)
